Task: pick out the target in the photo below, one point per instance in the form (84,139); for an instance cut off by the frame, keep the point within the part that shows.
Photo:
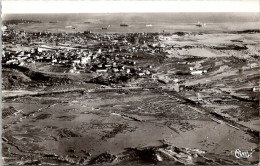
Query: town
(84,52)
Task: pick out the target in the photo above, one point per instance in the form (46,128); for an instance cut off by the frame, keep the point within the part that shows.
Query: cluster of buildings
(77,60)
(113,54)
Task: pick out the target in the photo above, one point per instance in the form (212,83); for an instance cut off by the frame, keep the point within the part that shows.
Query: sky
(127,6)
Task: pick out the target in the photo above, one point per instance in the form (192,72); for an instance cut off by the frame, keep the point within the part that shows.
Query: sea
(138,22)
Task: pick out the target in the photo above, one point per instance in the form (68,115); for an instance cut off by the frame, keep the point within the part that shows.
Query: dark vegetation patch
(66,133)
(42,116)
(118,129)
(8,111)
(67,117)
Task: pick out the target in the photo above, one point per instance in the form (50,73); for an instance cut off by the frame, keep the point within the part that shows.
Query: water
(169,22)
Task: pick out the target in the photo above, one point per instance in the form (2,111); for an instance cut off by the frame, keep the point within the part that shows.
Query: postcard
(130,82)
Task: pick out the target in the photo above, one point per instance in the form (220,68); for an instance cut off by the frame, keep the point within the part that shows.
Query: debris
(104,158)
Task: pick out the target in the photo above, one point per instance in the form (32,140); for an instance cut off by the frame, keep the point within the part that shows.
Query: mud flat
(198,107)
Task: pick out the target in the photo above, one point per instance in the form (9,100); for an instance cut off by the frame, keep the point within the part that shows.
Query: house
(101,70)
(147,72)
(76,61)
(128,71)
(85,60)
(199,72)
(12,61)
(115,70)
(255,89)
(141,74)
(182,88)
(4,28)
(108,65)
(54,60)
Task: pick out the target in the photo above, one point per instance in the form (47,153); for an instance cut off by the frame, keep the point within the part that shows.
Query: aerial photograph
(130,88)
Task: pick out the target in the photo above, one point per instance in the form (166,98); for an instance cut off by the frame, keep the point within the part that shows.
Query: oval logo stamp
(244,154)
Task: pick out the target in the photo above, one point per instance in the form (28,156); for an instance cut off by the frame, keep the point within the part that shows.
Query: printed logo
(244,154)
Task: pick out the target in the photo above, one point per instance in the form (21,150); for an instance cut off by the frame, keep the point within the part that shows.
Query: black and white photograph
(130,82)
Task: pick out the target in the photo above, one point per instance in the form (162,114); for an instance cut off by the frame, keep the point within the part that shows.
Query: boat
(105,28)
(69,26)
(149,25)
(123,25)
(199,24)
(53,22)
